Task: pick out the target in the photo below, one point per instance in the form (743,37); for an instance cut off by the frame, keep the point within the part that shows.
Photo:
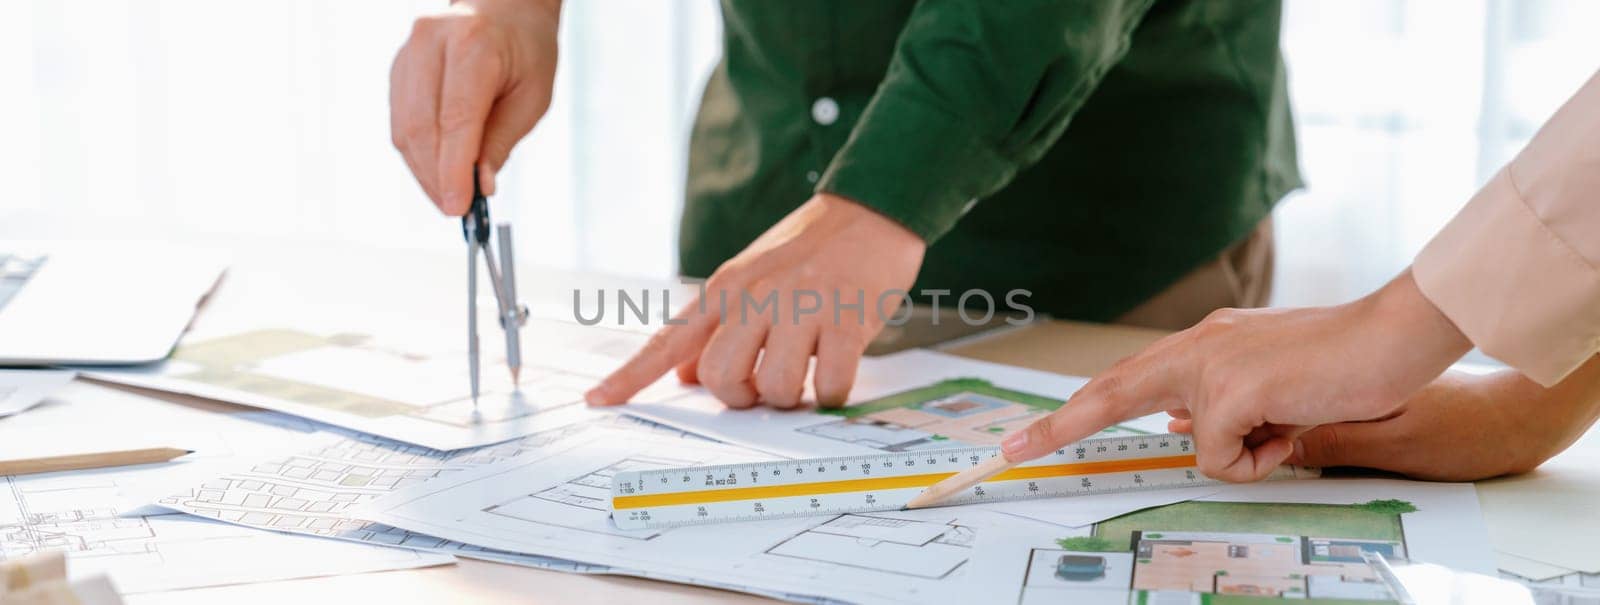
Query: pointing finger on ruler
(1137,386)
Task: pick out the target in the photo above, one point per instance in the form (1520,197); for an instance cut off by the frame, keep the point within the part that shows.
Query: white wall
(1404,109)
(218,118)
(215,119)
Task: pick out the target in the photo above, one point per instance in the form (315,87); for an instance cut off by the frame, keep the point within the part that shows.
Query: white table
(276,281)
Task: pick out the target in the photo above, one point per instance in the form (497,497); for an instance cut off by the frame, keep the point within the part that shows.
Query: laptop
(98,303)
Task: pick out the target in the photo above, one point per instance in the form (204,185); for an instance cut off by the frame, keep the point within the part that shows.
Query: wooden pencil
(74,462)
(955,484)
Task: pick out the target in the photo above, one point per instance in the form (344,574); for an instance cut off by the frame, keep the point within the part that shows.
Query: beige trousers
(1240,277)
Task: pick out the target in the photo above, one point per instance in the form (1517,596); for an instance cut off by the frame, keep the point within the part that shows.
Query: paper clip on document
(502,277)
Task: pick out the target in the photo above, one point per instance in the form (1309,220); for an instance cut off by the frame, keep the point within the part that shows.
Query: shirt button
(812,176)
(825,111)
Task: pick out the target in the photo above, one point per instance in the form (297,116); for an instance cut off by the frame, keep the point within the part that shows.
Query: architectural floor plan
(1304,542)
(315,491)
(909,401)
(82,515)
(405,391)
(545,506)
(953,413)
(884,543)
(591,492)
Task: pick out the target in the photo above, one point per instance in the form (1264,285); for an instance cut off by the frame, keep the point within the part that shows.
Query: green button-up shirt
(1089,151)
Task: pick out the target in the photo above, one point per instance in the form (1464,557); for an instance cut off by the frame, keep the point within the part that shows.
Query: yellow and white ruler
(787,488)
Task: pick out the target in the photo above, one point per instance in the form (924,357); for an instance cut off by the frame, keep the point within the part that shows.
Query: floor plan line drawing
(51,525)
(79,515)
(882,543)
(911,556)
(590,491)
(314,491)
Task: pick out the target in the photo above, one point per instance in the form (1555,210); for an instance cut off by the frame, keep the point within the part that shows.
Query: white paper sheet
(1524,510)
(96,516)
(1292,539)
(1529,569)
(408,387)
(1570,580)
(946,419)
(313,491)
(23,389)
(556,506)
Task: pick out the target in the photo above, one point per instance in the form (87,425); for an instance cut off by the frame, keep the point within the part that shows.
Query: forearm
(1420,339)
(1564,411)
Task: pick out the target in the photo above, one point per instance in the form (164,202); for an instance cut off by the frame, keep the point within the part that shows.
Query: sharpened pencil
(943,490)
(75,462)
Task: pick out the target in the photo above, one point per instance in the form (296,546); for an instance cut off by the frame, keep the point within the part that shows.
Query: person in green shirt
(1093,155)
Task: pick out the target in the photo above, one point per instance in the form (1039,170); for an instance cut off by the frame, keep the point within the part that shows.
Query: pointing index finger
(669,347)
(1135,387)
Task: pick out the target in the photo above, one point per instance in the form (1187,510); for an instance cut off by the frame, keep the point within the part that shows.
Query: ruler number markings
(883,481)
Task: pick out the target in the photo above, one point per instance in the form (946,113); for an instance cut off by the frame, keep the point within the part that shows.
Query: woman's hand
(1251,381)
(1463,428)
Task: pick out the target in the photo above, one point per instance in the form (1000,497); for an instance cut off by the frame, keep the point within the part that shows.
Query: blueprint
(910,401)
(553,506)
(77,513)
(315,490)
(406,387)
(100,520)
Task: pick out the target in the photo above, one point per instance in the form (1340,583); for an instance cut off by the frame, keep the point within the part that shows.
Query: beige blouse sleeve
(1518,270)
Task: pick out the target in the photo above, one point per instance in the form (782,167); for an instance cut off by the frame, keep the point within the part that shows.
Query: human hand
(469,83)
(1253,380)
(830,247)
(1462,428)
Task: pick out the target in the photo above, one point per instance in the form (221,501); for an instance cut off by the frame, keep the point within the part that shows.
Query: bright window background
(224,119)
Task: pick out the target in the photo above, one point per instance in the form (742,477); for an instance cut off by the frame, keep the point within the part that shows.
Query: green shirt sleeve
(977,90)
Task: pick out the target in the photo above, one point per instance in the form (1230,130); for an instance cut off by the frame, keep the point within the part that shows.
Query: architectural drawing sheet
(98,519)
(910,401)
(23,389)
(408,388)
(314,491)
(77,513)
(558,506)
(1299,540)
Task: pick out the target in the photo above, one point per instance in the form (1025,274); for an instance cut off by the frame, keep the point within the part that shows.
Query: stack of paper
(541,498)
(99,519)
